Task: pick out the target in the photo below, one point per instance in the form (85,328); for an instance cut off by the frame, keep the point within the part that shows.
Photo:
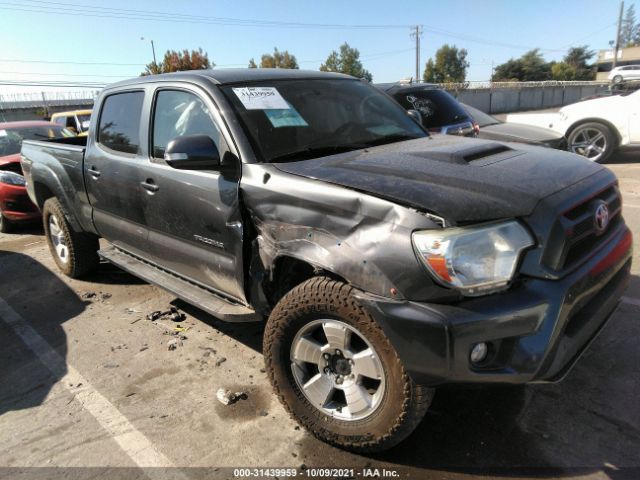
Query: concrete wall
(515,99)
(38,113)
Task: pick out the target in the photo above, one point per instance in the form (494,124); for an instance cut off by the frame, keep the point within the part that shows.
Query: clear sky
(86,31)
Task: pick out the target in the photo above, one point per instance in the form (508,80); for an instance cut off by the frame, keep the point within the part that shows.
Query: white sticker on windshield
(261,98)
(3,133)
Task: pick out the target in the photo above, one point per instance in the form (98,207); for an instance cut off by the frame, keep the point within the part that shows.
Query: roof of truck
(222,76)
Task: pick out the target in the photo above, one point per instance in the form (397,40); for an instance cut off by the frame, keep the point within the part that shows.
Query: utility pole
(617,48)
(417,32)
(153,49)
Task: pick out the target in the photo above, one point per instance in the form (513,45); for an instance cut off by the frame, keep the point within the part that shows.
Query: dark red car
(15,205)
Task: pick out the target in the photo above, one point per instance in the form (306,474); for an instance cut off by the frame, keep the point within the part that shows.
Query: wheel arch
(607,123)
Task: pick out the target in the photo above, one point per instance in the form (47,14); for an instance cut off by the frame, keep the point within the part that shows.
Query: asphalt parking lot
(89,384)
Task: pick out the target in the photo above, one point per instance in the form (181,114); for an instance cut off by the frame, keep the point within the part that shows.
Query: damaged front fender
(362,239)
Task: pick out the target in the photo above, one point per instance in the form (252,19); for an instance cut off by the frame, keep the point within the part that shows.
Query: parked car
(491,128)
(385,261)
(625,73)
(440,111)
(594,128)
(76,121)
(15,206)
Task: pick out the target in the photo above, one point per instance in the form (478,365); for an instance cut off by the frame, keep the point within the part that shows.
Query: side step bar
(194,294)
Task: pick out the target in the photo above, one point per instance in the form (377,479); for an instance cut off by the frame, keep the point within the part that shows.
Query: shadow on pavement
(45,303)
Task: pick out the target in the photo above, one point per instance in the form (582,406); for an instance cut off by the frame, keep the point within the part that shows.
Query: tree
(529,67)
(450,66)
(630,30)
(578,59)
(346,61)
(252,64)
(277,60)
(180,61)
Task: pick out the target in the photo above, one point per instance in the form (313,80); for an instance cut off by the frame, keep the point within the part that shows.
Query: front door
(112,173)
(195,228)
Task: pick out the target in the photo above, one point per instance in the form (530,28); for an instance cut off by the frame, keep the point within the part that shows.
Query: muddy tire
(75,253)
(5,225)
(336,372)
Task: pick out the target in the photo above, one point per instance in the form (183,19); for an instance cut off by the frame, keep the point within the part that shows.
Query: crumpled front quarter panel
(363,239)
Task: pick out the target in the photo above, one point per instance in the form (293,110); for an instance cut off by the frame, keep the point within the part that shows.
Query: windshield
(481,118)
(11,138)
(437,107)
(297,119)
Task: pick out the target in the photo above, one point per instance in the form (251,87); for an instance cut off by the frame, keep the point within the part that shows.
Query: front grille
(574,235)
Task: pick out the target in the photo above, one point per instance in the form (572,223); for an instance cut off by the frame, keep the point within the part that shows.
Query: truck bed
(58,164)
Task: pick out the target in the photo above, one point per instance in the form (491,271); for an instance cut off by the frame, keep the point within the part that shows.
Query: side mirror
(192,152)
(415,115)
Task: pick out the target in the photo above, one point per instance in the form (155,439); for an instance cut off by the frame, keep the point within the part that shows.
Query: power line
(41,6)
(173,18)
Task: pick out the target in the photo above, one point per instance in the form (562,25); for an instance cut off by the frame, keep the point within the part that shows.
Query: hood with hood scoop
(462,180)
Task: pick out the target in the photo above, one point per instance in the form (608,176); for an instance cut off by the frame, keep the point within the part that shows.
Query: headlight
(475,260)
(12,178)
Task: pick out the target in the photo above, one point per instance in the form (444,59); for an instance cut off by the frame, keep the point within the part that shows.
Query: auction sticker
(261,98)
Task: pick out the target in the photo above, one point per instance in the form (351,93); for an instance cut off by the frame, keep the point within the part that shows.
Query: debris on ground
(227,397)
(220,361)
(102,296)
(173,314)
(208,351)
(174,343)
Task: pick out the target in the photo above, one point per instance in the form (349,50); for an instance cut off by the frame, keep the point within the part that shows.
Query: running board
(208,301)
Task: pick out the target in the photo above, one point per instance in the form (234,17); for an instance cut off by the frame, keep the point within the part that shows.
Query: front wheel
(336,372)
(592,140)
(617,79)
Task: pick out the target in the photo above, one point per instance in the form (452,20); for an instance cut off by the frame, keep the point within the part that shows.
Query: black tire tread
(83,247)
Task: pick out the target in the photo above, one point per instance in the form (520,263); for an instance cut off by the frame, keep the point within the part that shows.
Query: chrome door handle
(93,172)
(150,186)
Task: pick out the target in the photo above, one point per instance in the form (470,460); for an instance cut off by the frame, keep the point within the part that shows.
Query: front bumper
(16,205)
(536,330)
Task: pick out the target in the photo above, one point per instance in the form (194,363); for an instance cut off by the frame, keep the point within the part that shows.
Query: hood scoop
(477,155)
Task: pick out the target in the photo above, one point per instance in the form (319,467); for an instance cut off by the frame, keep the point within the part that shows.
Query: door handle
(150,186)
(93,172)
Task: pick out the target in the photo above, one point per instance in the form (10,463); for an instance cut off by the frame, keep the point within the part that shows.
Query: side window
(119,127)
(177,114)
(60,121)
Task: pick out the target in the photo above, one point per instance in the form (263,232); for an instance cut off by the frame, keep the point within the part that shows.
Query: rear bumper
(16,205)
(535,331)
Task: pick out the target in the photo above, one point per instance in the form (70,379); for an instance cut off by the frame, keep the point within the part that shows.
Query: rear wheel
(336,372)
(592,140)
(75,253)
(5,225)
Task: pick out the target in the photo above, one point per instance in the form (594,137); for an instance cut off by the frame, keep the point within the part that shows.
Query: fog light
(478,352)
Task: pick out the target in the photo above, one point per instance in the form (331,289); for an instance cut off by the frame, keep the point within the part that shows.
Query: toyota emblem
(601,218)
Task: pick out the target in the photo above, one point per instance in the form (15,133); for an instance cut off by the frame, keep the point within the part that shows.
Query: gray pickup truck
(384,260)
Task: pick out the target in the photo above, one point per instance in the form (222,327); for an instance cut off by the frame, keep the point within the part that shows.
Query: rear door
(112,172)
(195,227)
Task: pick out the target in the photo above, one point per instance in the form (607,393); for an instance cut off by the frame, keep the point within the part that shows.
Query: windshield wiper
(315,152)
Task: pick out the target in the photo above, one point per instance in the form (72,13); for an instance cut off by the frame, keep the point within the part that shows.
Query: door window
(119,127)
(179,113)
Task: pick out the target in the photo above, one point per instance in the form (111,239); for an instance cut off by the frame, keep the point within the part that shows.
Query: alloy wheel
(337,369)
(58,240)
(589,142)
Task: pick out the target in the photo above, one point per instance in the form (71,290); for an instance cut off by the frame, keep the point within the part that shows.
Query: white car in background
(593,128)
(625,73)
